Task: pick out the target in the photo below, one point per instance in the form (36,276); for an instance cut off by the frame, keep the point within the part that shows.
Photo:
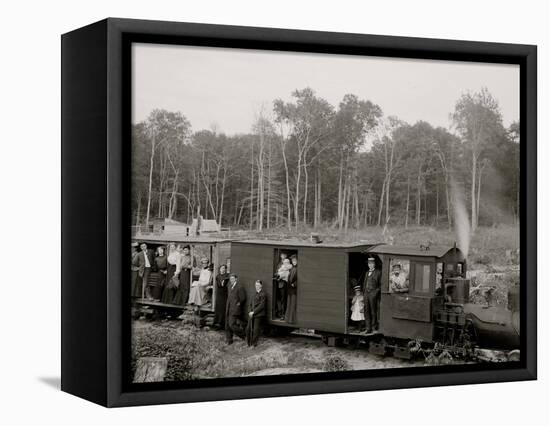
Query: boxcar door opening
(281,285)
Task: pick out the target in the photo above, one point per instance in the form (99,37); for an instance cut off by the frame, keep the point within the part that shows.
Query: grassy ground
(202,353)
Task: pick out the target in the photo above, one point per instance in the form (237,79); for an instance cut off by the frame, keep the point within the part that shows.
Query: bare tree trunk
(151,159)
(479,189)
(251,187)
(437,203)
(138,209)
(306,179)
(381,202)
(220,214)
(319,197)
(408,201)
(473,192)
(268,219)
(297,192)
(340,193)
(418,196)
(289,221)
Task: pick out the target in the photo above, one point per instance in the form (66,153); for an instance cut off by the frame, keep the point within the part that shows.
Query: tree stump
(150,369)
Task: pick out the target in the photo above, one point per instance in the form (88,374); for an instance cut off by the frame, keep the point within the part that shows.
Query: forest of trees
(307,163)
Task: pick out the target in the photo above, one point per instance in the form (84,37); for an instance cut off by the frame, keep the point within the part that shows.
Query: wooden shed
(324,271)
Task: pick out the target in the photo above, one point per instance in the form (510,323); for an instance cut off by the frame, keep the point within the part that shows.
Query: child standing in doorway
(358,308)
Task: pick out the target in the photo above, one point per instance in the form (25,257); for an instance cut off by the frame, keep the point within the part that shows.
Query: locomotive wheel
(514,355)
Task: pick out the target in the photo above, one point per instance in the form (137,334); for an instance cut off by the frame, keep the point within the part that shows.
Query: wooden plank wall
(251,263)
(322,282)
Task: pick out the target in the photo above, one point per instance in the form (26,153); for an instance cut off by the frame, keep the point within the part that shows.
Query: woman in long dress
(161,266)
(292,294)
(200,286)
(136,287)
(222,279)
(185,266)
(172,271)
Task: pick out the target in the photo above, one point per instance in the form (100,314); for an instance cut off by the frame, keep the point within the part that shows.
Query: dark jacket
(371,283)
(141,261)
(293,277)
(258,305)
(236,298)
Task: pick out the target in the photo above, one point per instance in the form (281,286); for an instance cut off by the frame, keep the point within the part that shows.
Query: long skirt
(182,293)
(169,293)
(157,289)
(135,284)
(290,314)
(197,295)
(221,301)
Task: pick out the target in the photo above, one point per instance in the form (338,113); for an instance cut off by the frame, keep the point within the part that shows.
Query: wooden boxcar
(324,271)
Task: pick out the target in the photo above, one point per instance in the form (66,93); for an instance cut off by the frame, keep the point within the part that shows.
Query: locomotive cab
(417,282)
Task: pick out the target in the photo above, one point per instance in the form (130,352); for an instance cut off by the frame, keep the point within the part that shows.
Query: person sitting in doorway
(200,286)
(399,281)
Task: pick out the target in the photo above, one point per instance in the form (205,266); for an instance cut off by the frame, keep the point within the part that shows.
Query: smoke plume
(461,221)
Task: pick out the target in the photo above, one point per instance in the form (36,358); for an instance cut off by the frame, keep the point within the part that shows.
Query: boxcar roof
(169,238)
(297,243)
(431,251)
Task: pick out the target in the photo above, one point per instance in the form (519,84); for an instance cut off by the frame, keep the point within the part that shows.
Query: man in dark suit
(236,297)
(256,315)
(145,261)
(371,295)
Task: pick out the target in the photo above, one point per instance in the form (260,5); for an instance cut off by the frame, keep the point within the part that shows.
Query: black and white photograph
(297,213)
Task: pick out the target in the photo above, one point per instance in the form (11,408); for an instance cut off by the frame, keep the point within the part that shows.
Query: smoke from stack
(461,221)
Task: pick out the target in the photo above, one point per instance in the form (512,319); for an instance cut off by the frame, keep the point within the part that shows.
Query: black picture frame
(95,210)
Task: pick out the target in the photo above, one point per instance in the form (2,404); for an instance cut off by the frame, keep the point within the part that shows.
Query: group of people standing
(173,284)
(286,288)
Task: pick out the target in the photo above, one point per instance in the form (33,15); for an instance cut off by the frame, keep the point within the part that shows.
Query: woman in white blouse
(173,260)
(200,287)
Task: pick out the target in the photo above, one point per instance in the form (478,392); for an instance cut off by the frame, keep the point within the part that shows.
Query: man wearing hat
(398,279)
(136,292)
(371,294)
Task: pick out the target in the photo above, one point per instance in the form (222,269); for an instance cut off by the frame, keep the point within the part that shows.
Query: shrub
(336,363)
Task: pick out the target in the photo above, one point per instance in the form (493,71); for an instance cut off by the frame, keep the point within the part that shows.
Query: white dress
(357,305)
(199,287)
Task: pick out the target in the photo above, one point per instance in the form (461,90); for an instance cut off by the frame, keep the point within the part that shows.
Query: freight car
(434,312)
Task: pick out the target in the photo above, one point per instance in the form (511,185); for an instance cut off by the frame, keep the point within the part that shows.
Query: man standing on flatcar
(371,293)
(236,297)
(145,260)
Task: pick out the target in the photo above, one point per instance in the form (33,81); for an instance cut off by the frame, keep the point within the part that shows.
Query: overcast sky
(227,87)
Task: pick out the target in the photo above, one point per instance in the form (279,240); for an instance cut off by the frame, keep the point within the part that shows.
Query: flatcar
(434,311)
(216,250)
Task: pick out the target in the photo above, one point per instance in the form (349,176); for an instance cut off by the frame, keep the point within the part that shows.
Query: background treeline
(307,162)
